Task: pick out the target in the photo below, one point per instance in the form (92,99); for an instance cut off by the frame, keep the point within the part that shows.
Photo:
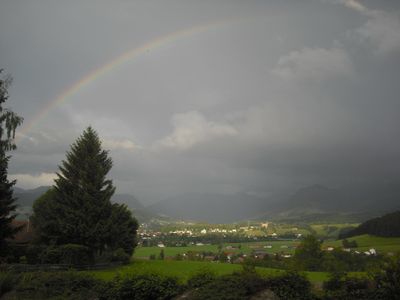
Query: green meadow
(366,242)
(246,248)
(183,270)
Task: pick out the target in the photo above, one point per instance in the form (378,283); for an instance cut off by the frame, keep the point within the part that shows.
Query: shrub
(348,288)
(201,278)
(44,285)
(73,254)
(141,287)
(121,255)
(7,282)
(291,285)
(237,286)
(51,255)
(388,280)
(34,253)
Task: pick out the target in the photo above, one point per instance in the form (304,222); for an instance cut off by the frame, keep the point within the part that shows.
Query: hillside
(353,203)
(366,242)
(384,226)
(316,203)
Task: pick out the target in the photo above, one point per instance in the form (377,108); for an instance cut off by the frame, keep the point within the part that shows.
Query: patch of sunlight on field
(183,270)
(366,242)
(246,248)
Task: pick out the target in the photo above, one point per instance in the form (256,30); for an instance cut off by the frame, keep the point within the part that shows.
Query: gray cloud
(282,95)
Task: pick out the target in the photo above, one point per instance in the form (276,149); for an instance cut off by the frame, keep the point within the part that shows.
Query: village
(231,243)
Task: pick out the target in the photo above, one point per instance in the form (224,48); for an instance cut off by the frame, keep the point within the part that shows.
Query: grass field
(366,242)
(330,230)
(246,248)
(183,270)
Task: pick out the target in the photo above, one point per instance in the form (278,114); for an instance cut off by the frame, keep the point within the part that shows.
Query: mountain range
(313,203)
(352,203)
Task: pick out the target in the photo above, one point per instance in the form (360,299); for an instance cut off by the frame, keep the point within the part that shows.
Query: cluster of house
(369,252)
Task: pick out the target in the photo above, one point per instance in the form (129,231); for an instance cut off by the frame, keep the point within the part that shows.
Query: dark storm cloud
(281,95)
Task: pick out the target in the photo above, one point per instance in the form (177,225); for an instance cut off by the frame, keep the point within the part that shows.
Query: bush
(388,281)
(34,253)
(121,256)
(7,282)
(70,254)
(73,254)
(44,285)
(348,288)
(51,255)
(291,285)
(141,287)
(201,278)
(237,286)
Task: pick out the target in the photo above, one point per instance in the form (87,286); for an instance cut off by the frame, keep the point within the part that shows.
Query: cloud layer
(277,96)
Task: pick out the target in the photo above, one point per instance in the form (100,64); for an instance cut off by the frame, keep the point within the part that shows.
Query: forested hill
(385,226)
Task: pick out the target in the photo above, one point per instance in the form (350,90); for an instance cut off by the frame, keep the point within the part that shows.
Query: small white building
(204,231)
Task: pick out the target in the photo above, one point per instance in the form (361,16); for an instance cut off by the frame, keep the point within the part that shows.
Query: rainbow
(116,62)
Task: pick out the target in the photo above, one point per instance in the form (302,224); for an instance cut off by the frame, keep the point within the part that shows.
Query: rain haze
(222,97)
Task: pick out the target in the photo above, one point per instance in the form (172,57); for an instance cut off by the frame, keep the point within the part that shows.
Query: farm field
(246,248)
(185,269)
(366,242)
(330,230)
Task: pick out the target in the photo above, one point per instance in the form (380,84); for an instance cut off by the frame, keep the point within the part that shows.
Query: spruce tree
(83,193)
(78,210)
(9,121)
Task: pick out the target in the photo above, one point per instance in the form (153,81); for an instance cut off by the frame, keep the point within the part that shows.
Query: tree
(78,210)
(308,254)
(9,121)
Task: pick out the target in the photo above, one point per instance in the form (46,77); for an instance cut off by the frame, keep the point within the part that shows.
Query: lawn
(183,270)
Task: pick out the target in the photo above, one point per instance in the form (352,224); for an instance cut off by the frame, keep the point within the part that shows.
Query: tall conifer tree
(83,193)
(78,210)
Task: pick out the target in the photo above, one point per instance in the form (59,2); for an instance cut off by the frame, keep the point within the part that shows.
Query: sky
(207,96)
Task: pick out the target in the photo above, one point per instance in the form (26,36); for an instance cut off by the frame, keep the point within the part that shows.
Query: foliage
(8,281)
(9,121)
(78,209)
(308,254)
(141,287)
(33,253)
(60,285)
(122,228)
(385,226)
(349,244)
(245,284)
(201,277)
(340,286)
(233,287)
(291,285)
(388,280)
